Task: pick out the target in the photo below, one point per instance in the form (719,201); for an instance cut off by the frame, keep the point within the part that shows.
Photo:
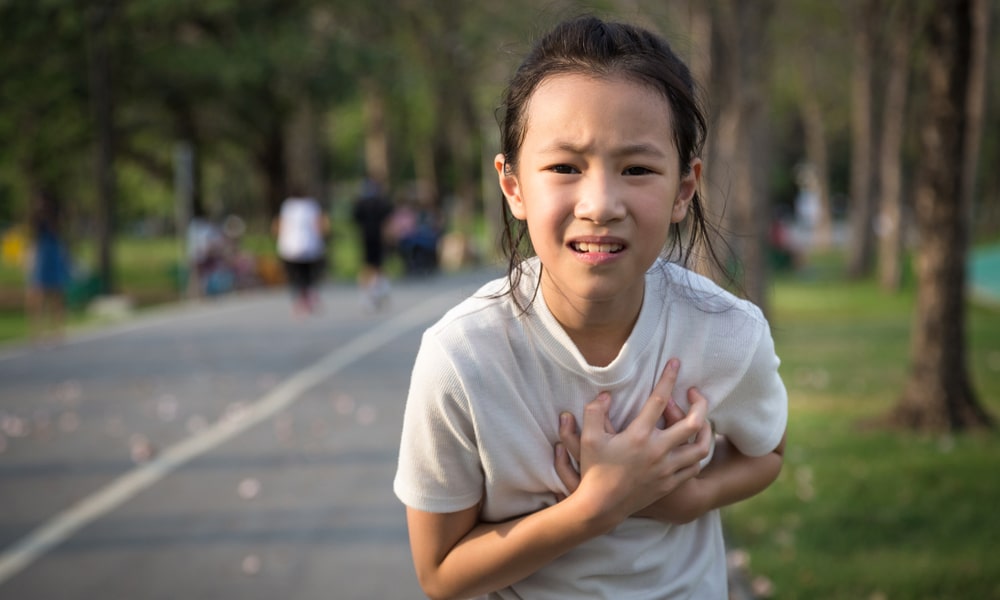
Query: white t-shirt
(300,235)
(481,421)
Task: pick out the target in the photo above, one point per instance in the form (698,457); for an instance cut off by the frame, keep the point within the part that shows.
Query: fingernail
(604,396)
(560,450)
(564,419)
(674,365)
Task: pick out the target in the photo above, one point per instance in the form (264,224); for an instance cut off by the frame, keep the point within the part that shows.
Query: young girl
(599,168)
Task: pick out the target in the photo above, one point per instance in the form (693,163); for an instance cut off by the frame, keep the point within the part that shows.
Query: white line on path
(58,529)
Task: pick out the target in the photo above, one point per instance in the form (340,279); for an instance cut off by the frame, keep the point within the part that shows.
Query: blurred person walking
(301,228)
(204,251)
(48,272)
(371,211)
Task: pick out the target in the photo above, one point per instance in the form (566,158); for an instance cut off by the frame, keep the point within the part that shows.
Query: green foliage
(228,76)
(44,138)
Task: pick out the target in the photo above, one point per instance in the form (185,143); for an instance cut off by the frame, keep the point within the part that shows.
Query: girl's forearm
(731,477)
(495,555)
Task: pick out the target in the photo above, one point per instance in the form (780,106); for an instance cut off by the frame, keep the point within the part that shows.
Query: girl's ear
(686,191)
(509,186)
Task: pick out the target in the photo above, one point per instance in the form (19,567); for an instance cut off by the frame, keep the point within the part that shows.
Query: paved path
(214,450)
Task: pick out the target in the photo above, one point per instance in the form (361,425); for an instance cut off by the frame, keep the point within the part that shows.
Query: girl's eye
(563,169)
(636,171)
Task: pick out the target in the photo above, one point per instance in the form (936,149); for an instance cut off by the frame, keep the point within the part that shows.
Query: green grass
(148,271)
(859,511)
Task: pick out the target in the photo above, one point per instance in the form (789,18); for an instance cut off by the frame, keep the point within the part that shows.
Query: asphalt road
(217,449)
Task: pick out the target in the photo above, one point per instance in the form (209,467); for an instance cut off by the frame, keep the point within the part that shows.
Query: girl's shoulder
(701,291)
(485,312)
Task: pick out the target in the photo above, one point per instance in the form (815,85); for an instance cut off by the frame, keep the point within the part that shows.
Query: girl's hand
(622,473)
(688,501)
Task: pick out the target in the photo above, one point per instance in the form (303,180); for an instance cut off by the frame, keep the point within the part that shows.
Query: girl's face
(598,182)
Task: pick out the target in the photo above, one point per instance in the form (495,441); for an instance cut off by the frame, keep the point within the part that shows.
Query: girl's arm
(731,477)
(456,556)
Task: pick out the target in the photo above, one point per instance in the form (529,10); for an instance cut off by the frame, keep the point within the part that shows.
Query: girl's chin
(590,292)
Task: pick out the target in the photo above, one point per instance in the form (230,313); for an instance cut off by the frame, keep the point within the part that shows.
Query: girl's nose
(600,200)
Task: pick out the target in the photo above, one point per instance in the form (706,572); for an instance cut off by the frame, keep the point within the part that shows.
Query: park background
(140,115)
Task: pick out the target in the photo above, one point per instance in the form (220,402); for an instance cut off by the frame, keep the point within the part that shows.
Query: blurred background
(852,163)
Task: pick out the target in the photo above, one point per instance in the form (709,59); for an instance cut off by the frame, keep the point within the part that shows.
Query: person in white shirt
(544,452)
(301,227)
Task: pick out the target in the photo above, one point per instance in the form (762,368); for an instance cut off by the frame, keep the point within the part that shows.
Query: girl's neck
(598,329)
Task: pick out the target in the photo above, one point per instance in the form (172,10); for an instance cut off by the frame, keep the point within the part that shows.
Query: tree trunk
(463,137)
(938,395)
(976,101)
(891,225)
(861,210)
(741,140)
(303,143)
(103,110)
(272,163)
(376,133)
(814,129)
(188,133)
(755,208)
(719,149)
(724,149)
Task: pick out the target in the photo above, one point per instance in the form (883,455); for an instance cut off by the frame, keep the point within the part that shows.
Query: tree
(938,395)
(809,77)
(861,251)
(816,142)
(445,47)
(891,223)
(99,26)
(45,126)
(740,146)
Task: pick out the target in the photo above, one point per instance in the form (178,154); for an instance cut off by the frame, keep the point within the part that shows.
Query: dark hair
(588,45)
(45,215)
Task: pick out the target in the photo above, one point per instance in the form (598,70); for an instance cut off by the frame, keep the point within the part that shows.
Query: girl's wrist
(596,514)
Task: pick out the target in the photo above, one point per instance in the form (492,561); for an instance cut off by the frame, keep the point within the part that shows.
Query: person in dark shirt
(371,211)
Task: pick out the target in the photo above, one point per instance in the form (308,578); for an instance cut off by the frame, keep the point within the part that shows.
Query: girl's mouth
(588,247)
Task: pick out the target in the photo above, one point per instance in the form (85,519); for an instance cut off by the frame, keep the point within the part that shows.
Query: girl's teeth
(603,248)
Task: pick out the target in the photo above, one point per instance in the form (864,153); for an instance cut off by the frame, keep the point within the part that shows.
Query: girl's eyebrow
(640,149)
(563,146)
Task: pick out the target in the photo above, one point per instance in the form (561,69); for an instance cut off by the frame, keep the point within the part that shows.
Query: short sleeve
(439,468)
(754,414)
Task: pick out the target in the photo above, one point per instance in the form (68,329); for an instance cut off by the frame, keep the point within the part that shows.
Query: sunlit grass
(12,325)
(152,271)
(859,511)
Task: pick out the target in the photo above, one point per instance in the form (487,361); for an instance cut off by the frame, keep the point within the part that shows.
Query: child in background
(49,272)
(597,324)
